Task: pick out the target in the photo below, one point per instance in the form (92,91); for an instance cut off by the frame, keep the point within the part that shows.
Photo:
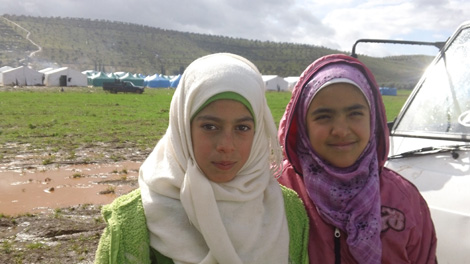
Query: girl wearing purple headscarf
(335,138)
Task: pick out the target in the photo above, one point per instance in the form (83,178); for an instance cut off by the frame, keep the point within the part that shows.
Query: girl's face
(338,124)
(222,134)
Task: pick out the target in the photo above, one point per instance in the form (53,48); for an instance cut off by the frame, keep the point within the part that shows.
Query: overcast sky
(335,24)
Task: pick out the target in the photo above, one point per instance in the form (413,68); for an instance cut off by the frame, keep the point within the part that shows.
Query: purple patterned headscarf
(348,198)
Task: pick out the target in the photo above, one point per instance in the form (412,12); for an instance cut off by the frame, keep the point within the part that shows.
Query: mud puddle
(43,189)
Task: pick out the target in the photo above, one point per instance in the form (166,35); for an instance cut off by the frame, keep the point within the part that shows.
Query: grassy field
(45,123)
(47,118)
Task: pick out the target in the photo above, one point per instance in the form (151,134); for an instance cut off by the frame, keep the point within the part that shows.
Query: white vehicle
(430,144)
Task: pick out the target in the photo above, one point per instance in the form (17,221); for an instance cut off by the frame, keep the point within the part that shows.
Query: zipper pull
(337,246)
(337,233)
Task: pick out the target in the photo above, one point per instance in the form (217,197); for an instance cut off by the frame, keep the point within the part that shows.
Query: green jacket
(126,239)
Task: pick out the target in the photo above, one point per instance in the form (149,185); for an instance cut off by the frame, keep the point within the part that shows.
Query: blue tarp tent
(388,91)
(174,81)
(156,81)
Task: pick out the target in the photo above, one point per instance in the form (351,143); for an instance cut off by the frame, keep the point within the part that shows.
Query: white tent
(21,76)
(291,82)
(46,70)
(275,83)
(2,69)
(65,77)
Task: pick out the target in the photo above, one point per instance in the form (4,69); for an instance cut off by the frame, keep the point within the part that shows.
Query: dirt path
(51,213)
(28,37)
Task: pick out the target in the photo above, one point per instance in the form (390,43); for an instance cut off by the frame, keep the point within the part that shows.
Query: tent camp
(291,82)
(120,74)
(46,70)
(90,72)
(156,81)
(175,81)
(22,76)
(65,77)
(275,83)
(2,69)
(134,78)
(99,78)
(388,91)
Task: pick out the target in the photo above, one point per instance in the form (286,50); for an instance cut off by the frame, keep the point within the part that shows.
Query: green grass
(277,103)
(83,116)
(87,116)
(393,104)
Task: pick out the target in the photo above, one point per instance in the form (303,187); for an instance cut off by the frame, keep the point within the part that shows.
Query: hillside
(85,44)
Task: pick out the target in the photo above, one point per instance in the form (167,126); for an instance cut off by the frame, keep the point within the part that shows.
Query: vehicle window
(442,103)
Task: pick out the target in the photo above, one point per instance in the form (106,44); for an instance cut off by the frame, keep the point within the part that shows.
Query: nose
(340,128)
(225,142)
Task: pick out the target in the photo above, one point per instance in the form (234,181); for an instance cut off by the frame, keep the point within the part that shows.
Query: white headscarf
(194,220)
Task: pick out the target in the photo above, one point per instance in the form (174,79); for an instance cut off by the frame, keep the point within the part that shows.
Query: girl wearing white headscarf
(191,219)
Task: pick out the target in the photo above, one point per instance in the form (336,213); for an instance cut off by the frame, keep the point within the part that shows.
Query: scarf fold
(194,220)
(348,198)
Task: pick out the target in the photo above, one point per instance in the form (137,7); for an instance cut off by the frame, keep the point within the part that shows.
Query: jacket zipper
(337,235)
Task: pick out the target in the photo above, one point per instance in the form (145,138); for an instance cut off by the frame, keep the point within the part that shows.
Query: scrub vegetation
(110,46)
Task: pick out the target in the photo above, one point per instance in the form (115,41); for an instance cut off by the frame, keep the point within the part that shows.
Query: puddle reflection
(34,191)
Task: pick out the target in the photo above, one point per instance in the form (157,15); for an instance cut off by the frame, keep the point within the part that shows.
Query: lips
(342,145)
(224,165)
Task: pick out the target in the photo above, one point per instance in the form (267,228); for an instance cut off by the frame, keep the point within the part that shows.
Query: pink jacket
(408,234)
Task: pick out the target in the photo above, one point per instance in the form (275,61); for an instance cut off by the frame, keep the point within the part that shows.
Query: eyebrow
(323,110)
(217,119)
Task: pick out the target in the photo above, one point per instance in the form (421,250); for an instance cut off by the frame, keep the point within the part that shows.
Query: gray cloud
(274,20)
(335,24)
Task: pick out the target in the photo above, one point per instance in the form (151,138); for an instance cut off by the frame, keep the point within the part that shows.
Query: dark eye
(321,117)
(209,127)
(243,128)
(357,113)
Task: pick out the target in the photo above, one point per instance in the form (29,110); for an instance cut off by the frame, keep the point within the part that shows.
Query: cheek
(202,153)
(244,146)
(205,144)
(315,135)
(364,130)
(200,144)
(366,136)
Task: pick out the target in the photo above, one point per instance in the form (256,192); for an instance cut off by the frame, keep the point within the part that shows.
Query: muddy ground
(51,213)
